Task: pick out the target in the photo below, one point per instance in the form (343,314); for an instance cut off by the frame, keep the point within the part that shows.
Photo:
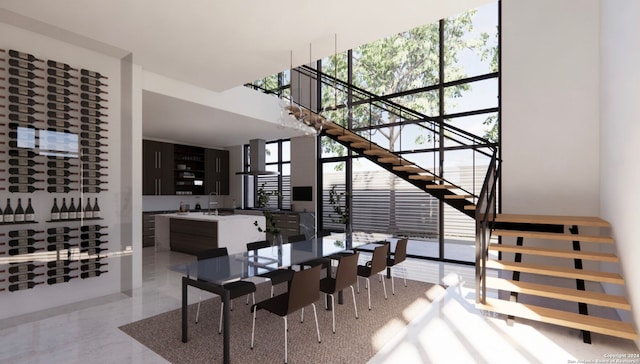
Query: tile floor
(451,331)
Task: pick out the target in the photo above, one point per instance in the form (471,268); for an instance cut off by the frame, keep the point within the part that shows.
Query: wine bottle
(92,266)
(58,264)
(93,166)
(92,151)
(93,174)
(24,100)
(22,153)
(60,173)
(24,250)
(23,83)
(59,115)
(60,91)
(64,211)
(21,242)
(25,56)
(93,251)
(91,228)
(94,128)
(24,268)
(92,182)
(92,81)
(88,210)
(60,164)
(60,74)
(91,112)
(24,189)
(89,274)
(92,189)
(92,120)
(60,279)
(19,214)
(60,124)
(24,233)
(24,171)
(23,92)
(79,212)
(23,286)
(59,82)
(93,234)
(60,238)
(93,158)
(96,210)
(60,66)
(24,73)
(24,162)
(24,277)
(60,271)
(92,89)
(60,99)
(60,230)
(60,107)
(72,210)
(92,105)
(93,74)
(92,243)
(30,213)
(52,247)
(92,144)
(15,126)
(59,181)
(24,64)
(91,135)
(91,97)
(24,109)
(22,118)
(55,212)
(24,180)
(8,213)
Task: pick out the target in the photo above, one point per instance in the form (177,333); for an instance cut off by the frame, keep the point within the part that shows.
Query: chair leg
(253,326)
(272,290)
(355,307)
(404,274)
(220,325)
(198,310)
(369,294)
(333,312)
(315,314)
(358,283)
(393,287)
(302,315)
(384,287)
(285,339)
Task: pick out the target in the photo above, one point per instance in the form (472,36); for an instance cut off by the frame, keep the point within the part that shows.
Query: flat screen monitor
(302,193)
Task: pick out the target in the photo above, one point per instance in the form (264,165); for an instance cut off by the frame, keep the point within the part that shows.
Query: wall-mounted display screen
(302,193)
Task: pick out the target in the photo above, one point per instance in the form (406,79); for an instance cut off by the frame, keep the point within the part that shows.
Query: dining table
(211,274)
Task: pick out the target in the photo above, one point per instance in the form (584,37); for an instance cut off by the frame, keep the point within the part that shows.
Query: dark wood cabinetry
(192,236)
(295,223)
(157,168)
(148,229)
(216,171)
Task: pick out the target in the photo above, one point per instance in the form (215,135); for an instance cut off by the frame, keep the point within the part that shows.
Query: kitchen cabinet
(157,168)
(216,171)
(189,170)
(148,229)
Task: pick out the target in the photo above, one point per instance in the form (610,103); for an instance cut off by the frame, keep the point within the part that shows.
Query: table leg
(184,310)
(225,327)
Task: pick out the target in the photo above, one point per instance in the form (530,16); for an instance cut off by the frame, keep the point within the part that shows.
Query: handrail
(486,209)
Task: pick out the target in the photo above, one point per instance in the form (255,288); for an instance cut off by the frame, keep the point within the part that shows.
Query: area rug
(355,340)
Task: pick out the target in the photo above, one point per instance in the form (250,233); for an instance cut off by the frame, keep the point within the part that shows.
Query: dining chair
(236,289)
(296,238)
(304,290)
(346,276)
(275,276)
(376,265)
(399,256)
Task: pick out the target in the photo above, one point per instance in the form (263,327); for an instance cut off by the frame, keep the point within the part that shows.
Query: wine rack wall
(53,151)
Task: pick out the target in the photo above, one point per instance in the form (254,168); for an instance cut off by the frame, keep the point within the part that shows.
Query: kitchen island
(196,231)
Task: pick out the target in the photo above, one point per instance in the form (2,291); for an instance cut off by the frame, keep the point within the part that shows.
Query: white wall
(111,202)
(304,168)
(620,138)
(550,113)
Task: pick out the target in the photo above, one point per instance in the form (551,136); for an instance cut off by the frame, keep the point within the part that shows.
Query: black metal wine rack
(54,145)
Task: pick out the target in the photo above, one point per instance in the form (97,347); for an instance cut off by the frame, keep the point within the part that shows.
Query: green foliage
(270,224)
(264,196)
(339,206)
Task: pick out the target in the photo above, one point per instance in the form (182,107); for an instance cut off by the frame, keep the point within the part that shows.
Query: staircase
(562,233)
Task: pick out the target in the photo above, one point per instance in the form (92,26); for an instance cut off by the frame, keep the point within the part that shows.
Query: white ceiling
(218,45)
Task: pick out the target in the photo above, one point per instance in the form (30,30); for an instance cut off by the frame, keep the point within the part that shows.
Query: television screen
(302,193)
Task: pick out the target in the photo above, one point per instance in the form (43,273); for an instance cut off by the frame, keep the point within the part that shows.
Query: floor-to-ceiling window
(278,184)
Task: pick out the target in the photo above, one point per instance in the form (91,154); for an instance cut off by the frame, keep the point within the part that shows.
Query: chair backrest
(401,251)
(258,245)
(296,238)
(212,253)
(215,269)
(304,288)
(347,272)
(379,259)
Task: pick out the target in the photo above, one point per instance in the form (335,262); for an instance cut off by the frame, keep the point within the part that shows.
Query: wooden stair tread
(554,236)
(470,207)
(379,152)
(589,275)
(441,187)
(555,220)
(562,318)
(409,168)
(352,137)
(336,131)
(365,145)
(457,197)
(422,177)
(570,254)
(394,160)
(561,293)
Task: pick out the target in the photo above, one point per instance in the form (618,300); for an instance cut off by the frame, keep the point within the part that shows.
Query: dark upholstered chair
(296,238)
(376,265)
(398,256)
(304,290)
(346,276)
(236,289)
(275,276)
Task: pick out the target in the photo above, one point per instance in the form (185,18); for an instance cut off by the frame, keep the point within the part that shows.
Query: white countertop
(203,217)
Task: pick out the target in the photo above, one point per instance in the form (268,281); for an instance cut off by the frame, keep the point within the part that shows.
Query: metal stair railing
(486,209)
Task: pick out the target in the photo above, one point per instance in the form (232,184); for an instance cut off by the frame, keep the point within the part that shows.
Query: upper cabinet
(189,170)
(216,171)
(157,168)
